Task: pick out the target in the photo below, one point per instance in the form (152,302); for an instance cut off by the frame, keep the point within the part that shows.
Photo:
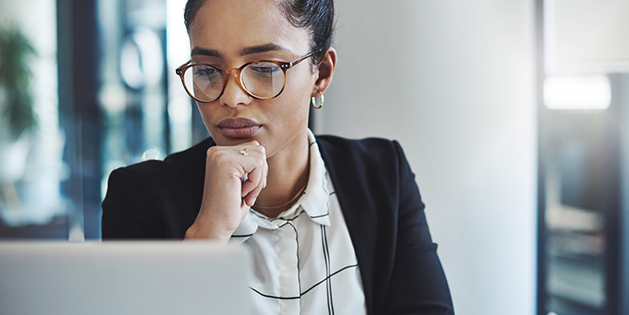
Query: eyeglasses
(262,79)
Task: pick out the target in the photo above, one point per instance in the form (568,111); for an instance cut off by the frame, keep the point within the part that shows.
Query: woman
(334,225)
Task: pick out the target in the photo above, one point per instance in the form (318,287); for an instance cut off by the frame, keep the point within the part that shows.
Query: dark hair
(315,15)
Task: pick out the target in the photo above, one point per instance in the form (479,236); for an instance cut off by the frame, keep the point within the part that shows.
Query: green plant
(15,78)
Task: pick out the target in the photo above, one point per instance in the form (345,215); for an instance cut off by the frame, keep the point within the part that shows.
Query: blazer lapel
(359,216)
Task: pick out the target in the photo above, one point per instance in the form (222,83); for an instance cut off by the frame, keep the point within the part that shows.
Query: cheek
(295,105)
(205,109)
(300,89)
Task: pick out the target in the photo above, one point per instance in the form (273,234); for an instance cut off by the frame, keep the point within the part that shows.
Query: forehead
(229,26)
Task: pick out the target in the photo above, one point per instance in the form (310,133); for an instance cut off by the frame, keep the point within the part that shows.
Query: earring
(313,101)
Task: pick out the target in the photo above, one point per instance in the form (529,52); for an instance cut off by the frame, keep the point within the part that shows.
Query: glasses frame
(181,70)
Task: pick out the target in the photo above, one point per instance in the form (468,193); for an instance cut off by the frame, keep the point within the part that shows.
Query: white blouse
(304,260)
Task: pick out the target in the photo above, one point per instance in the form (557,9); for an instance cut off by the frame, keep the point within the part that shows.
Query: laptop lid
(123,278)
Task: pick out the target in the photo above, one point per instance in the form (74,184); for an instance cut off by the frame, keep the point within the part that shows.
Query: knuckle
(219,157)
(214,151)
(210,151)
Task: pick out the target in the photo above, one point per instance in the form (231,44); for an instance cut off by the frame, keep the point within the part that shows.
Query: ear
(326,72)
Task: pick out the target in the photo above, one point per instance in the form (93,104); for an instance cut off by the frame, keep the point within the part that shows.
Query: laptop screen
(123,278)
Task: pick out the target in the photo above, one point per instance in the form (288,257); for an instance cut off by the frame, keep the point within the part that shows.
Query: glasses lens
(263,79)
(204,82)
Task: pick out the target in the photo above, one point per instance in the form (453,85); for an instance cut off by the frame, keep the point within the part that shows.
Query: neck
(288,174)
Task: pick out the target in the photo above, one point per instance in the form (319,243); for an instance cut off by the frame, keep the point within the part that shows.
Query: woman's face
(230,33)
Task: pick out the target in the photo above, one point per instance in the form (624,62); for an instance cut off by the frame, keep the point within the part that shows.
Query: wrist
(196,232)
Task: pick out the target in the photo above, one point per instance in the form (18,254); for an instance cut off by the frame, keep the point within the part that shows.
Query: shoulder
(363,167)
(374,150)
(191,154)
(155,199)
(354,143)
(184,162)
(179,171)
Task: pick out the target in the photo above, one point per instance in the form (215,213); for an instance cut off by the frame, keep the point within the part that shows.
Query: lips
(238,127)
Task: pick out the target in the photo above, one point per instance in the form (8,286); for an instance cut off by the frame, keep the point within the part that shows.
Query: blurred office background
(514,115)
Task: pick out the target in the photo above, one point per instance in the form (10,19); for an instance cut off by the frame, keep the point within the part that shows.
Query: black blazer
(400,270)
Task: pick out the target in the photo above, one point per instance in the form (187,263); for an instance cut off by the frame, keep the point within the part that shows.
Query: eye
(206,72)
(263,68)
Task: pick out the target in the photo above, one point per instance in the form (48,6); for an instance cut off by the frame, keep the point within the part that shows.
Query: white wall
(453,81)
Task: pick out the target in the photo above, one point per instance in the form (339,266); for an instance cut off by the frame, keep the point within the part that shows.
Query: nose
(234,94)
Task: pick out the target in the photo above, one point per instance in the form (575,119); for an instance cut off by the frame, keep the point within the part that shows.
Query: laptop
(123,278)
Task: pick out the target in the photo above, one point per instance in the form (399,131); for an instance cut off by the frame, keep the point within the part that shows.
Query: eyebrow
(205,52)
(243,52)
(262,48)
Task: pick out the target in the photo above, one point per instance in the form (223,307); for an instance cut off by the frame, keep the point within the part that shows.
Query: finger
(248,143)
(250,149)
(254,180)
(256,176)
(266,173)
(250,199)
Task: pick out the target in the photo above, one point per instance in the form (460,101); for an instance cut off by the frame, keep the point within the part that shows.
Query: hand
(234,177)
